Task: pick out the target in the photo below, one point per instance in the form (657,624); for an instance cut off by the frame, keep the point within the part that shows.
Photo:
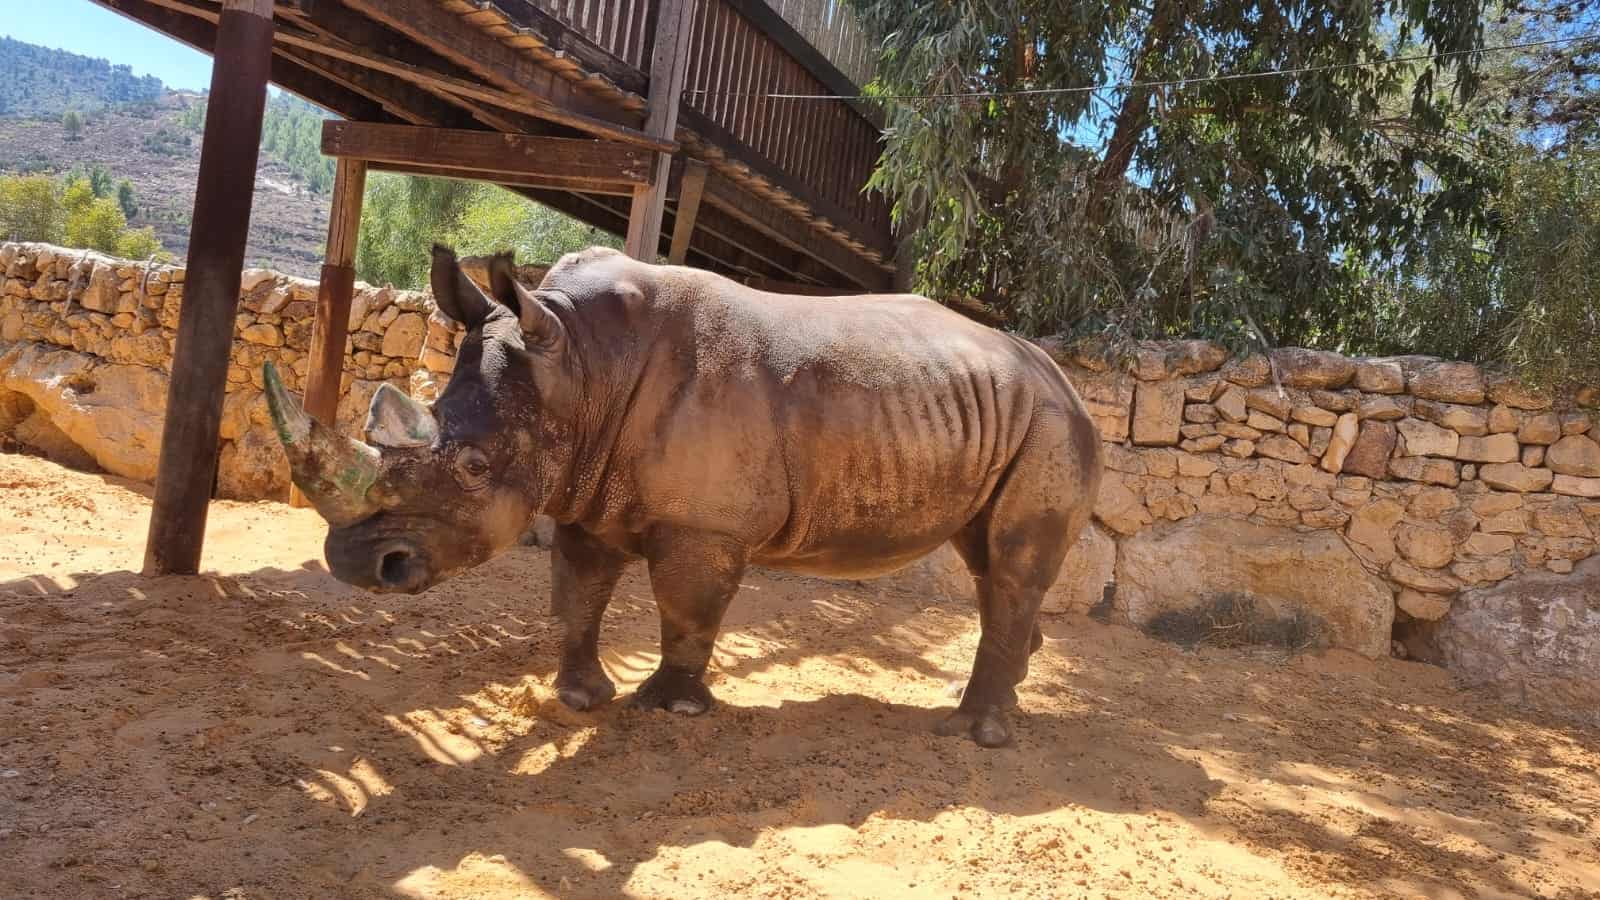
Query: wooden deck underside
(782,199)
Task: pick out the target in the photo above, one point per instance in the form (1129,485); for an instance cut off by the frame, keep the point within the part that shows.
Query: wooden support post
(690,190)
(332,323)
(220,225)
(669,64)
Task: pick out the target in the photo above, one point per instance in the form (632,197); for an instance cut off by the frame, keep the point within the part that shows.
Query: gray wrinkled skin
(670,414)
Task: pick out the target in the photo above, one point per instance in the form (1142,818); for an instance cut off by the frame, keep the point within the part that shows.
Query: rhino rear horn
(333,471)
(395,420)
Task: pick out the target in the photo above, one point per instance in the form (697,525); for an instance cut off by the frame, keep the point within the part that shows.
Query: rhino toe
(989,727)
(673,691)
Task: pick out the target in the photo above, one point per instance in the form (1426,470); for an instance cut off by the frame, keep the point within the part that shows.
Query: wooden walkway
(780,200)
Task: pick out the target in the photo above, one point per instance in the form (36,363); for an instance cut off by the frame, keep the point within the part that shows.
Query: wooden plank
(722,193)
(331,326)
(506,67)
(522,102)
(875,238)
(186,469)
(511,181)
(690,190)
(489,152)
(831,79)
(669,60)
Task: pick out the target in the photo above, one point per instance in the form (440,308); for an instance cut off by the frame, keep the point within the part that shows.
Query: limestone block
(1371,527)
(266,335)
(403,335)
(1573,486)
(1513,393)
(1465,420)
(1503,418)
(1157,413)
(1248,371)
(1428,546)
(1423,438)
(1119,506)
(1301,368)
(1269,400)
(1369,455)
(1575,454)
(1314,415)
(1575,421)
(1282,447)
(1425,469)
(1340,441)
(1377,376)
(1429,581)
(1419,605)
(1195,357)
(1535,637)
(1285,571)
(1264,423)
(1495,448)
(1107,396)
(1515,477)
(1451,382)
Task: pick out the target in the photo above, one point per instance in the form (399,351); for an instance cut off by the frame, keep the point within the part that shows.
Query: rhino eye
(472,468)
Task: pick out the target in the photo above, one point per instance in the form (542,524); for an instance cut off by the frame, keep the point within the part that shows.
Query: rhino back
(836,435)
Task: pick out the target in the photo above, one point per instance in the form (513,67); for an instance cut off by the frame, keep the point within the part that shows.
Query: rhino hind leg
(693,576)
(583,576)
(1014,550)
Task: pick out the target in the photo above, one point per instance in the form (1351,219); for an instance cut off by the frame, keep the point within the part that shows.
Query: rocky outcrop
(1535,638)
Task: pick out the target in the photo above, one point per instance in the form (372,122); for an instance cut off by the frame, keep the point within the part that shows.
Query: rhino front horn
(333,471)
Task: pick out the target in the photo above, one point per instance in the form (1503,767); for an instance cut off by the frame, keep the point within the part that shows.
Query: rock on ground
(1535,637)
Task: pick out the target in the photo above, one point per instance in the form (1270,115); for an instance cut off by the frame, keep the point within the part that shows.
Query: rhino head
(436,490)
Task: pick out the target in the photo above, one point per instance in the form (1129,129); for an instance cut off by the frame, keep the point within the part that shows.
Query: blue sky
(82,27)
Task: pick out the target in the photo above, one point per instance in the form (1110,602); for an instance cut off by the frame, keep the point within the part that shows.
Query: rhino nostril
(394,567)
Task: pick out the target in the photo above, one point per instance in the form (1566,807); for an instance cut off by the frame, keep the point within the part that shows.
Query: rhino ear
(457,297)
(395,420)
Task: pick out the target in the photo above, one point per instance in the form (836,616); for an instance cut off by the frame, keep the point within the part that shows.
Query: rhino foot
(673,691)
(988,727)
(585,692)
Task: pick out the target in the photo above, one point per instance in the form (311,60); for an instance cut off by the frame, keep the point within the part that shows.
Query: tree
(125,198)
(1176,203)
(30,209)
(72,124)
(96,225)
(404,216)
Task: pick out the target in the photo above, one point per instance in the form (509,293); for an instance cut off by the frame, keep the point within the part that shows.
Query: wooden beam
(490,154)
(690,189)
(187,466)
(723,194)
(875,239)
(773,25)
(558,37)
(669,61)
(470,47)
(335,291)
(608,188)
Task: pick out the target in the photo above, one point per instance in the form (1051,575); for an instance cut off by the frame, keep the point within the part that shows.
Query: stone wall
(1359,490)
(86,351)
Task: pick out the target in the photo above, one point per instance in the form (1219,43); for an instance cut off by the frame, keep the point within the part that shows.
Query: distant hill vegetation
(39,81)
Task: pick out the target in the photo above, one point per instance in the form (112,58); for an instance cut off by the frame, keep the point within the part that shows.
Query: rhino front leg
(693,575)
(583,575)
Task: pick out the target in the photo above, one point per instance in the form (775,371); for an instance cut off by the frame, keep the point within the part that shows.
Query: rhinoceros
(671,414)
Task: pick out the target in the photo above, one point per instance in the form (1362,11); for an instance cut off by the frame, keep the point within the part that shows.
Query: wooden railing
(832,28)
(819,151)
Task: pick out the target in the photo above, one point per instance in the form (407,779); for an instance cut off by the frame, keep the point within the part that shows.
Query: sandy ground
(264,731)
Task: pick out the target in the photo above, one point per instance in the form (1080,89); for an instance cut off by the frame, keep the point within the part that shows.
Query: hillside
(152,138)
(39,81)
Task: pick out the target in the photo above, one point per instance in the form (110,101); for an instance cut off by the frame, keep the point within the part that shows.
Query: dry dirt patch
(263,731)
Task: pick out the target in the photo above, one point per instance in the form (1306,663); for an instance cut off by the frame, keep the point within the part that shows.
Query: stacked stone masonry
(1437,477)
(86,352)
